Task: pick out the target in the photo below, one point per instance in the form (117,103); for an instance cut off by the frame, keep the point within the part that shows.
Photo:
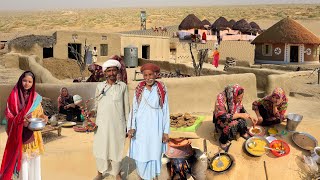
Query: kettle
(53,120)
(316,154)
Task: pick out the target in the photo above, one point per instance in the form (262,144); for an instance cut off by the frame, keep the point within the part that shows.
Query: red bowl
(278,143)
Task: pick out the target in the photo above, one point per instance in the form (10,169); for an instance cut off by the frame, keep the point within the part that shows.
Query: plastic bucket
(293,120)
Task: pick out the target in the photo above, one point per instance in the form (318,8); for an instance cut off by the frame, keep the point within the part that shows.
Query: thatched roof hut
(190,22)
(242,25)
(231,23)
(254,25)
(206,22)
(287,31)
(220,24)
(28,41)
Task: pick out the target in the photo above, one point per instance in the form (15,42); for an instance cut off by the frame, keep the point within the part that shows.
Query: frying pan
(216,156)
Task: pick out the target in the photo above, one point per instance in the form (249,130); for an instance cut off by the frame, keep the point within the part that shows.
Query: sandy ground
(70,156)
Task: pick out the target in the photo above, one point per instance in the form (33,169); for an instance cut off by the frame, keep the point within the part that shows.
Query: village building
(69,44)
(235,30)
(286,42)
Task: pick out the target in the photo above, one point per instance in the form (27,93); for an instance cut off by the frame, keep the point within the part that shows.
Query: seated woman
(230,115)
(66,105)
(271,109)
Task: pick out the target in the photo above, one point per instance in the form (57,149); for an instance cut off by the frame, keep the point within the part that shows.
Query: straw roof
(287,31)
(206,22)
(220,24)
(241,25)
(28,41)
(254,25)
(191,22)
(231,23)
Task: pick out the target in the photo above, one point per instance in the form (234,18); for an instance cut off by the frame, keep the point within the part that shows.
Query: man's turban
(151,67)
(111,63)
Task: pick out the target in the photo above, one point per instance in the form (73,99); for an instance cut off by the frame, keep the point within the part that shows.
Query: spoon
(220,163)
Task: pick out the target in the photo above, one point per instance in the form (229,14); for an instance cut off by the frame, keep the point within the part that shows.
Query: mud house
(106,44)
(39,45)
(286,42)
(61,44)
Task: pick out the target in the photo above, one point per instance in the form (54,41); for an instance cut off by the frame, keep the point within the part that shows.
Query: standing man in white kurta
(149,123)
(112,109)
(94,55)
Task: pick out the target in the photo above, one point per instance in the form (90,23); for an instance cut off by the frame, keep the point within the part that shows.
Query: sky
(67,4)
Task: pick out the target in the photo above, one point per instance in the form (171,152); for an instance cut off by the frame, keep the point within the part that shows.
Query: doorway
(294,54)
(173,54)
(74,51)
(47,52)
(146,51)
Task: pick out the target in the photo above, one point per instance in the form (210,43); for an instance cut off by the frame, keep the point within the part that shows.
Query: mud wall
(194,94)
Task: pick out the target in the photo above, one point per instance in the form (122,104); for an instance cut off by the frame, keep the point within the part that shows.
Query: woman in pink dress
(216,57)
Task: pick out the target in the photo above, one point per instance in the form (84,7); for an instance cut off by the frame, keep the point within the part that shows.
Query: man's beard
(112,77)
(150,82)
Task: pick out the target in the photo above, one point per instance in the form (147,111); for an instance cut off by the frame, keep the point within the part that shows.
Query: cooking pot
(36,124)
(179,148)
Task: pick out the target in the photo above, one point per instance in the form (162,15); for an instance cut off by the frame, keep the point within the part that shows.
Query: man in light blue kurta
(149,123)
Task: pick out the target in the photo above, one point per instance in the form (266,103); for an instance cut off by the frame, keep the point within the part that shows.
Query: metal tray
(251,139)
(304,140)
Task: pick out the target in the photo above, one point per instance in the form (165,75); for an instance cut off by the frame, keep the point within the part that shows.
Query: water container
(131,56)
(293,120)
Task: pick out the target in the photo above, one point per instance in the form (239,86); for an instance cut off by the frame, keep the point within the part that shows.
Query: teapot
(53,120)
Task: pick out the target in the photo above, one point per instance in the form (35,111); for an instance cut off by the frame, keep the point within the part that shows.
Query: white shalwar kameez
(150,122)
(112,109)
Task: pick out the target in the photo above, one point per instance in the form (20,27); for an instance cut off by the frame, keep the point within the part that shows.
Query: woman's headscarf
(19,103)
(63,100)
(226,101)
(279,93)
(122,71)
(267,103)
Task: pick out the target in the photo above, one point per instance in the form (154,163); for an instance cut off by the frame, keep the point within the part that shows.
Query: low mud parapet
(193,94)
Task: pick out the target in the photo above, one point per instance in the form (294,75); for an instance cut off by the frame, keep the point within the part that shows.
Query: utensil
(205,146)
(293,120)
(220,163)
(227,148)
(279,150)
(36,124)
(68,124)
(253,145)
(260,133)
(316,155)
(304,140)
(249,143)
(265,169)
(216,157)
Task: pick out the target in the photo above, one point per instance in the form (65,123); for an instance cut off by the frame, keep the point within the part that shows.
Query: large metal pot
(36,124)
(293,120)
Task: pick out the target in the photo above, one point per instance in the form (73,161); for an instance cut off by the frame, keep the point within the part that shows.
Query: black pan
(217,156)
